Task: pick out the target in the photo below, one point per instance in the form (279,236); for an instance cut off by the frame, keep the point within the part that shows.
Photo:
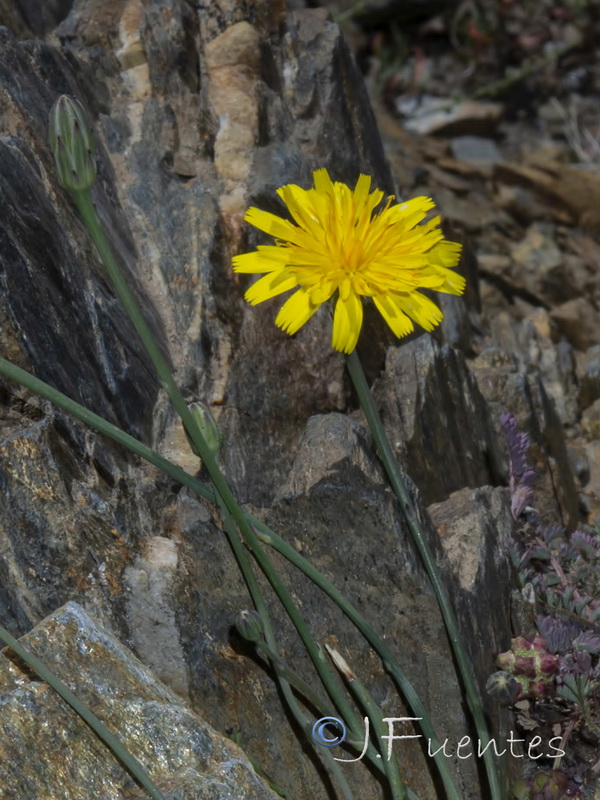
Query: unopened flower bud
(503,687)
(249,625)
(72,144)
(208,428)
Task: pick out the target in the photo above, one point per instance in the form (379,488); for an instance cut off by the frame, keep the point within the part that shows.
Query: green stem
(373,712)
(329,680)
(409,511)
(301,686)
(83,200)
(110,740)
(284,684)
(86,208)
(97,423)
(268,536)
(503,759)
(388,659)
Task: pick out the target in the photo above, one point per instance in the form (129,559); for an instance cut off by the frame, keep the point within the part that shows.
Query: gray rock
(475,528)
(532,341)
(197,116)
(435,116)
(28,18)
(579,321)
(590,420)
(48,751)
(427,393)
(339,513)
(55,298)
(537,264)
(475,150)
(507,388)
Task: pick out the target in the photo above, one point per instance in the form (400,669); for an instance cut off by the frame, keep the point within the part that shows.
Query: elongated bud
(249,625)
(72,144)
(208,428)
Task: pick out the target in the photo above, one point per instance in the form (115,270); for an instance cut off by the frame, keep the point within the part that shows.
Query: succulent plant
(559,573)
(532,666)
(552,784)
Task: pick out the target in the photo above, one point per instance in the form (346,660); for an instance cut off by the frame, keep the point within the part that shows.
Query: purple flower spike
(522,475)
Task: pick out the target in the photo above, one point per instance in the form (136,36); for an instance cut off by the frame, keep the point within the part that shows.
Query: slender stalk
(503,759)
(60,400)
(372,710)
(333,688)
(266,535)
(327,755)
(110,740)
(309,694)
(83,200)
(407,506)
(258,600)
(97,423)
(388,659)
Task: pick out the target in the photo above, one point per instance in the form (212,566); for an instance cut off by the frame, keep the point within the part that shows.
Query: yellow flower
(338,245)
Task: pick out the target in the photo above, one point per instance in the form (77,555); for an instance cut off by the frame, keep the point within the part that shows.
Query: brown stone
(579,321)
(590,420)
(574,190)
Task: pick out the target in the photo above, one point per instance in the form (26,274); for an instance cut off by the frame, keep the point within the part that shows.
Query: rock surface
(48,751)
(199,111)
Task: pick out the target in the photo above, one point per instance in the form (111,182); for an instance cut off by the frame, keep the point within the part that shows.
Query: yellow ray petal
(390,310)
(445,254)
(295,312)
(270,286)
(409,213)
(275,226)
(301,208)
(323,184)
(347,322)
(361,194)
(420,309)
(321,292)
(450,282)
(265,259)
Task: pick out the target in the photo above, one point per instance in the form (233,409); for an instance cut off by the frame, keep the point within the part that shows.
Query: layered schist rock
(199,111)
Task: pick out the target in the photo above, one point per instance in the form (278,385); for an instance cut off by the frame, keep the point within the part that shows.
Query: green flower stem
(302,687)
(503,714)
(83,200)
(131,763)
(372,710)
(327,755)
(60,400)
(410,514)
(97,423)
(258,600)
(292,677)
(84,203)
(388,659)
(328,678)
(354,738)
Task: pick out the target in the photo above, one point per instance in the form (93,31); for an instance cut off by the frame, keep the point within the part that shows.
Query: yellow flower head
(338,245)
